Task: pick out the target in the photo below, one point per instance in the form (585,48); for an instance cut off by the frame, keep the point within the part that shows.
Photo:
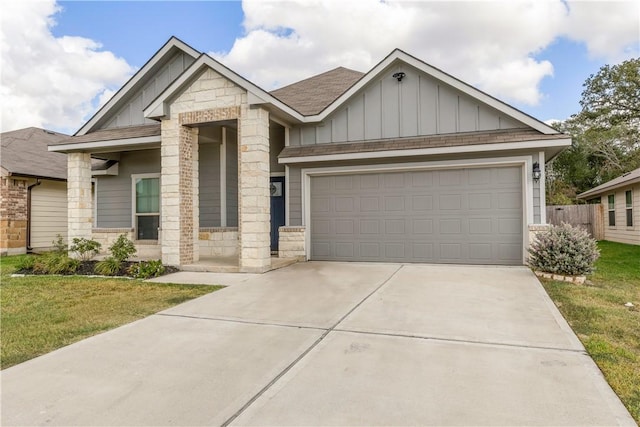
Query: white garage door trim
(525,162)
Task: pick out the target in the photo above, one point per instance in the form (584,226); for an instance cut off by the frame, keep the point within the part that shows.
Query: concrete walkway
(330,344)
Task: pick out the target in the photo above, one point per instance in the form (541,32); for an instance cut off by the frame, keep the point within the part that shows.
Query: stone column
(178,193)
(80,211)
(254,207)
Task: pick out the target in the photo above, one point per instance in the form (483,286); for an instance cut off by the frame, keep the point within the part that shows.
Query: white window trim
(628,208)
(609,209)
(133,200)
(525,162)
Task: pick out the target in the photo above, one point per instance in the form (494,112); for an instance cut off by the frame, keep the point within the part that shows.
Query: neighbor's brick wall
(13,216)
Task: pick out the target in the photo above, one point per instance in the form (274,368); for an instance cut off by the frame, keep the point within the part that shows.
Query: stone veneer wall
(291,243)
(13,216)
(218,241)
(211,98)
(80,209)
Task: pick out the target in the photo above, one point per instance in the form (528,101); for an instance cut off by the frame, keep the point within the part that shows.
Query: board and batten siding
(209,182)
(48,213)
(130,114)
(114,193)
(418,105)
(232,178)
(620,232)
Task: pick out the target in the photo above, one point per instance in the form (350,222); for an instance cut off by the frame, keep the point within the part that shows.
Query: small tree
(564,250)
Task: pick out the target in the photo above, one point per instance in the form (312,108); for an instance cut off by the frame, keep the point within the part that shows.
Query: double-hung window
(629,207)
(612,210)
(146,206)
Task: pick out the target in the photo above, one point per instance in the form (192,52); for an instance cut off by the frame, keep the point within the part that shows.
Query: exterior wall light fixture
(537,173)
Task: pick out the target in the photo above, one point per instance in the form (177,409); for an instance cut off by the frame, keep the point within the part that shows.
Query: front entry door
(277,208)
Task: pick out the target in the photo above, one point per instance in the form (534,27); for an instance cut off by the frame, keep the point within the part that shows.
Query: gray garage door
(467,216)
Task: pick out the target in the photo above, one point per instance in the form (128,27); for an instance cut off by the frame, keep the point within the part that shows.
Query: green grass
(42,313)
(609,331)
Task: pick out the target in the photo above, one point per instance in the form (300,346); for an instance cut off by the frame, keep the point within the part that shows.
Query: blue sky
(533,55)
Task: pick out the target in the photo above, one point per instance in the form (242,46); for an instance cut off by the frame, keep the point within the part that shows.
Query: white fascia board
(534,144)
(164,50)
(256,94)
(99,145)
(398,55)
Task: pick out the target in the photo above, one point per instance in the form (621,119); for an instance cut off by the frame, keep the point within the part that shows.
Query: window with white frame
(146,206)
(612,210)
(629,207)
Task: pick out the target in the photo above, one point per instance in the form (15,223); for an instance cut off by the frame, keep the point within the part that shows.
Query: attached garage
(458,216)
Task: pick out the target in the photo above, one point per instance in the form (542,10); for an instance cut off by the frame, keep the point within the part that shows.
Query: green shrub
(26,263)
(85,248)
(110,266)
(55,263)
(122,249)
(59,245)
(146,269)
(565,250)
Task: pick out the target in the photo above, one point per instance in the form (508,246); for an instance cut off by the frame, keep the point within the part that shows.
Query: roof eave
(599,191)
(123,144)
(172,43)
(159,108)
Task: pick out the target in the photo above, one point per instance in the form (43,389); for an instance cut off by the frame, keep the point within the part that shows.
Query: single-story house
(620,199)
(404,163)
(33,191)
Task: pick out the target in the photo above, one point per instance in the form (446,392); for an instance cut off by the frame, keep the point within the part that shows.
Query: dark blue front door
(277,208)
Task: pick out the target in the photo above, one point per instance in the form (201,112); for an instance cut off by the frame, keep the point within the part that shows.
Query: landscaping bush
(146,269)
(110,266)
(25,263)
(55,263)
(564,250)
(122,249)
(59,245)
(85,248)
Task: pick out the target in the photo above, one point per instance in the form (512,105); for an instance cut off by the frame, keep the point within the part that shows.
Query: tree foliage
(605,133)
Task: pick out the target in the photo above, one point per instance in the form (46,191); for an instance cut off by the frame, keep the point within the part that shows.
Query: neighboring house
(620,200)
(33,191)
(404,163)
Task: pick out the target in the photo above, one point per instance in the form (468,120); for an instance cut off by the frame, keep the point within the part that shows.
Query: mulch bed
(87,268)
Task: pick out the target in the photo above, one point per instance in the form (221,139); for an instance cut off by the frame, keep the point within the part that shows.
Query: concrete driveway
(330,344)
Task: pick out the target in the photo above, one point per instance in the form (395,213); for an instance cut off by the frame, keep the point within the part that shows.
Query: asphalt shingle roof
(113,133)
(626,179)
(24,153)
(311,96)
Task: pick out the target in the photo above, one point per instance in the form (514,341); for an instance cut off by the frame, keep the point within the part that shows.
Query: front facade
(404,163)
(33,191)
(620,200)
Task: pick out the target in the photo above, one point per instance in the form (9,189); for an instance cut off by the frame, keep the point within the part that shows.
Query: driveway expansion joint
(246,322)
(307,351)
(464,341)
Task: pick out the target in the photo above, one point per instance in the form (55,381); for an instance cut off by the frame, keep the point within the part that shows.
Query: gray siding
(209,181)
(276,144)
(232,178)
(295,199)
(419,105)
(130,113)
(114,192)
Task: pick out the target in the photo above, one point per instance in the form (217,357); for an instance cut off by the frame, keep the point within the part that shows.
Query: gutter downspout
(29,188)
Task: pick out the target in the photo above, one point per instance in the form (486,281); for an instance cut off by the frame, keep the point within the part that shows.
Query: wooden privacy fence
(589,217)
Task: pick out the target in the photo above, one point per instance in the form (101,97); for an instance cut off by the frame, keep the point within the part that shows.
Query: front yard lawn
(39,314)
(609,331)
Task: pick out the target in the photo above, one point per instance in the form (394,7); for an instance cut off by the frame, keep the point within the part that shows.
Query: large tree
(605,133)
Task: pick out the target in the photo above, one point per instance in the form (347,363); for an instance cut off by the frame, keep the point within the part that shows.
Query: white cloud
(47,81)
(610,29)
(490,44)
